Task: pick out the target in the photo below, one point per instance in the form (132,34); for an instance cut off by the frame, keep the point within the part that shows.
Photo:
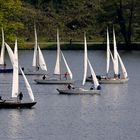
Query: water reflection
(111,116)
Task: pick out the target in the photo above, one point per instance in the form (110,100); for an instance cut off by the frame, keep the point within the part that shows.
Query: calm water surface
(114,115)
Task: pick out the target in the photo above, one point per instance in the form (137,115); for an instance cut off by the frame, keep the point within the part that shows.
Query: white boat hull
(53,81)
(78,91)
(109,80)
(113,81)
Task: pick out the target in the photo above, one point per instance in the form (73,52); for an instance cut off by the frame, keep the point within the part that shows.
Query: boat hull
(109,80)
(32,73)
(10,70)
(8,104)
(53,81)
(78,92)
(113,81)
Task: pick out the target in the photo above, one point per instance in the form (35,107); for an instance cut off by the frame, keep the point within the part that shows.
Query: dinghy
(38,63)
(14,102)
(3,67)
(67,76)
(95,89)
(116,59)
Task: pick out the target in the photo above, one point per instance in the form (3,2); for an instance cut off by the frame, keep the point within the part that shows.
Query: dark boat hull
(10,70)
(7,104)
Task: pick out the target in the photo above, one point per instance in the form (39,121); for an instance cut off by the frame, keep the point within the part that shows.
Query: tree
(10,12)
(120,14)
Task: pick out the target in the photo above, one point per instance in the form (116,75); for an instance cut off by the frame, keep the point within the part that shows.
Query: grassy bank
(78,46)
(75,46)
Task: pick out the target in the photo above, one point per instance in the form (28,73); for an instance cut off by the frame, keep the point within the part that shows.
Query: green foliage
(10,12)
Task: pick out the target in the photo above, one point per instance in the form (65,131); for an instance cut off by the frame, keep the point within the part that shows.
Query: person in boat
(4,65)
(20,96)
(92,87)
(1,100)
(65,75)
(37,68)
(98,77)
(98,87)
(23,68)
(119,76)
(69,86)
(44,77)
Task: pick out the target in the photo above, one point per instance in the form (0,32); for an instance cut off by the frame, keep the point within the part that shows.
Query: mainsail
(116,67)
(10,52)
(15,85)
(85,60)
(34,64)
(108,53)
(57,66)
(2,49)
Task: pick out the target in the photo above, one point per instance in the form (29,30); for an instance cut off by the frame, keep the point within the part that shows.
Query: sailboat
(57,70)
(13,102)
(82,90)
(38,63)
(3,68)
(116,59)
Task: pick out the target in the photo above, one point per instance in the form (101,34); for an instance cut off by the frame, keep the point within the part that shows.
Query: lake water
(114,115)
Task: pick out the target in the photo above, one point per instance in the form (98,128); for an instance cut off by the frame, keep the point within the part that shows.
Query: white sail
(10,52)
(42,63)
(123,67)
(2,49)
(34,64)
(96,83)
(112,57)
(108,53)
(116,67)
(85,60)
(57,66)
(30,92)
(68,69)
(15,85)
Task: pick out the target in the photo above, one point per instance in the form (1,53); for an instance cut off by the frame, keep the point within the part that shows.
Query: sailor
(98,87)
(37,68)
(1,100)
(4,65)
(44,77)
(66,74)
(69,86)
(119,76)
(20,96)
(92,87)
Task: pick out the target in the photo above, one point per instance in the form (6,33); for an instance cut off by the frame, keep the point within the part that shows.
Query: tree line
(73,18)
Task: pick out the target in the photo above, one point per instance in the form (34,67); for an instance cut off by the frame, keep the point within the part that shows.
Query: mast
(116,67)
(2,61)
(85,59)
(108,54)
(57,69)
(34,64)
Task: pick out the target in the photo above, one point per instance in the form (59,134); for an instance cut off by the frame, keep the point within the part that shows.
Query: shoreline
(77,46)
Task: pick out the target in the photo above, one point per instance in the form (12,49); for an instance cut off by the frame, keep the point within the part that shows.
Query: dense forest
(73,18)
